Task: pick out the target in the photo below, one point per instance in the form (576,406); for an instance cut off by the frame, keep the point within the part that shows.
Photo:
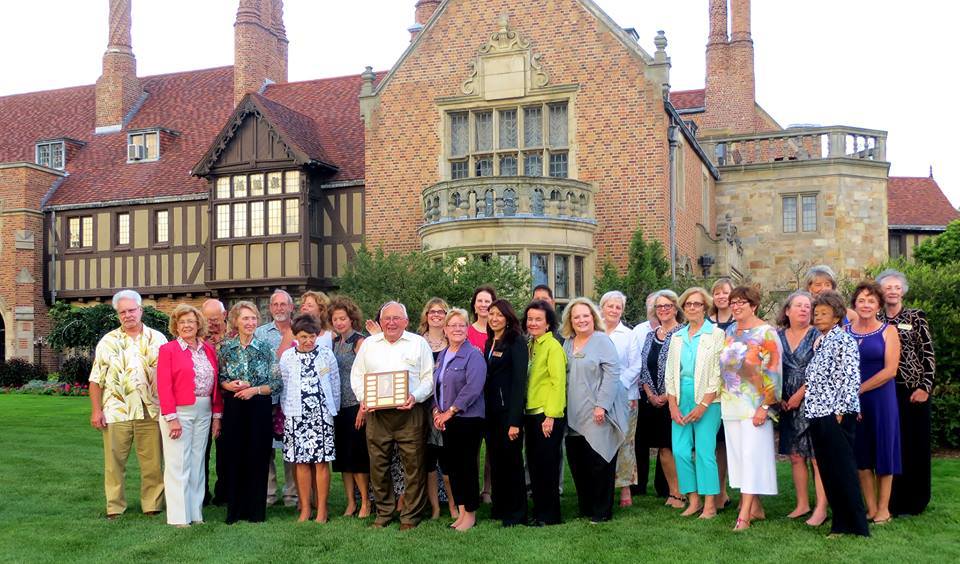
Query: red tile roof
(687,99)
(324,115)
(917,201)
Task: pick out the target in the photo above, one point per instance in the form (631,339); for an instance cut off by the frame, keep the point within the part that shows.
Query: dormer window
(51,154)
(143,146)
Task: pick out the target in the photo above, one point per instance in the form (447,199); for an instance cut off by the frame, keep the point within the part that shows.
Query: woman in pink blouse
(189,399)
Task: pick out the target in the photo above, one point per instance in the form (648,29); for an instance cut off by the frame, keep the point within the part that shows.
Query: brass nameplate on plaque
(384,390)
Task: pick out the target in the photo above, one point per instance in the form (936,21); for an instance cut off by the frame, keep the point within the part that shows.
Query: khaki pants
(117,440)
(406,429)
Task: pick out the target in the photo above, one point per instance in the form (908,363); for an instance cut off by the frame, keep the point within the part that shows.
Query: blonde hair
(566,321)
(456,312)
(707,299)
(424,326)
(323,303)
(235,313)
(182,310)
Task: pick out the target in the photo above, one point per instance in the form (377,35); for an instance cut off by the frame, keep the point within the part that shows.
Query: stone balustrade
(506,197)
(797,144)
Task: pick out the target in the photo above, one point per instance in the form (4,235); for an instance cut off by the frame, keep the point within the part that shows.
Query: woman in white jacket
(692,383)
(310,399)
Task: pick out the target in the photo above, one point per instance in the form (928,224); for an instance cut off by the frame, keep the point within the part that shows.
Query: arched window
(536,205)
(509,202)
(488,203)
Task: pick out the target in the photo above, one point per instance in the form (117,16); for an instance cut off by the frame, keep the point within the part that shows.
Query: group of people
(702,381)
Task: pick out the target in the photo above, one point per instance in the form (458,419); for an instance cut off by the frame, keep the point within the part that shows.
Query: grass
(51,510)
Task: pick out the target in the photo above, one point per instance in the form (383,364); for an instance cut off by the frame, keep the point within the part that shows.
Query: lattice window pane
(256,185)
(483,124)
(291,181)
(561,278)
(488,199)
(809,211)
(578,275)
(790,214)
(123,229)
(223,221)
(223,188)
(484,166)
(274,183)
(86,239)
(274,217)
(459,169)
(293,215)
(558,125)
(508,129)
(536,205)
(73,232)
(558,165)
(239,220)
(256,219)
(459,134)
(533,127)
(239,186)
(508,165)
(163,226)
(56,155)
(509,202)
(538,268)
(533,164)
(43,155)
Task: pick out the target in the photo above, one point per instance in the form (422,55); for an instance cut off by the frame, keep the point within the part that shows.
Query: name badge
(578,355)
(905,326)
(496,354)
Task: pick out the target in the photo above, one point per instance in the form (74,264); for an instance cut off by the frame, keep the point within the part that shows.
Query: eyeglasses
(738,303)
(392,319)
(457,325)
(663,307)
(694,305)
(437,312)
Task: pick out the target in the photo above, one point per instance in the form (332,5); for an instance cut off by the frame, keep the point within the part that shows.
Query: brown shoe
(407,526)
(151,513)
(380,524)
(113,516)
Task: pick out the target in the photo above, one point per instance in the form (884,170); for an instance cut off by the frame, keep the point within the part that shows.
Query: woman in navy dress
(878,432)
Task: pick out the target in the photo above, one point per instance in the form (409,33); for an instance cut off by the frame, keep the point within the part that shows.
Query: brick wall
(621,126)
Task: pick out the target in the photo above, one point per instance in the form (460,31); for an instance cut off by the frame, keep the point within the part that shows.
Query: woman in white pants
(189,400)
(751,366)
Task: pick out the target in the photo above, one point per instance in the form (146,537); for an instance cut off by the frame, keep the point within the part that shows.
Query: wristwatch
(765,407)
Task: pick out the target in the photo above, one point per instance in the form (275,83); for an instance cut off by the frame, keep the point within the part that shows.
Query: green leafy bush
(17,371)
(942,249)
(945,424)
(648,270)
(413,278)
(82,327)
(75,369)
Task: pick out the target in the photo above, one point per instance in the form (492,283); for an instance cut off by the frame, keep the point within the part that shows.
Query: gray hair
(127,295)
(613,295)
(672,296)
(396,303)
(284,292)
(895,274)
(216,302)
(782,319)
(821,270)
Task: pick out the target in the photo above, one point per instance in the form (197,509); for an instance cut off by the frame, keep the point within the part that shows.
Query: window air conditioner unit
(136,152)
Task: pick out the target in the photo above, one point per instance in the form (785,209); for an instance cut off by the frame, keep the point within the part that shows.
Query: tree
(413,278)
(647,271)
(82,327)
(942,249)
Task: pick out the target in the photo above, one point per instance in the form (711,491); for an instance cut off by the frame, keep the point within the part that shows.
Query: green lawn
(51,509)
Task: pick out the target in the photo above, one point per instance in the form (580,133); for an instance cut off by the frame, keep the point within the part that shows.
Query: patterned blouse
(202,369)
(917,362)
(655,381)
(254,363)
(126,369)
(833,376)
(760,346)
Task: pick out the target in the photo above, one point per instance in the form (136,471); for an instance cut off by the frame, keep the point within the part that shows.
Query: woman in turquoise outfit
(692,382)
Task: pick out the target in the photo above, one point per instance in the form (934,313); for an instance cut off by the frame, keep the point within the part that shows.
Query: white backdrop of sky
(880,64)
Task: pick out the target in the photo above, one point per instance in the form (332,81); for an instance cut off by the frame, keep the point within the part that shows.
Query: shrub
(648,270)
(75,369)
(945,424)
(17,372)
(942,249)
(82,327)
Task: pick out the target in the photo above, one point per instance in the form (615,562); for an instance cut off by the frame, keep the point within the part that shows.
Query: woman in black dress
(505,395)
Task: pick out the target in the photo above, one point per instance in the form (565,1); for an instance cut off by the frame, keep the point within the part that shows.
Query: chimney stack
(422,12)
(118,88)
(718,22)
(259,47)
(730,96)
(740,20)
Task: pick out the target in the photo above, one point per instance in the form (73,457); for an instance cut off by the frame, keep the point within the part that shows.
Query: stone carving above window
(505,67)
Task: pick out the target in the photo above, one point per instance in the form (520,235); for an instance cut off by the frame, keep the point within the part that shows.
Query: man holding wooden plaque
(393,372)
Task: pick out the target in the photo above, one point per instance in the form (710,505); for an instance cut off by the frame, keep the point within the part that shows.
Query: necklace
(436,344)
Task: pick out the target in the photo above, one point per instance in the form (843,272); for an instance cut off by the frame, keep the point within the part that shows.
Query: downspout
(53,261)
(672,138)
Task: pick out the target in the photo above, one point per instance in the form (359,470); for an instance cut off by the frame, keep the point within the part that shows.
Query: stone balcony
(508,197)
(797,144)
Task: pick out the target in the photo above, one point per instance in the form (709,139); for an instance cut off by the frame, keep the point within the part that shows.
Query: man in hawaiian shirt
(123,394)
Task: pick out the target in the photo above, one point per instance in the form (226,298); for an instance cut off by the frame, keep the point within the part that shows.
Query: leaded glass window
(558,125)
(508,165)
(483,123)
(508,129)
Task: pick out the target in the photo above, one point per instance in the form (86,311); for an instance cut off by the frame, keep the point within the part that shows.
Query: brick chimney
(259,46)
(422,12)
(730,96)
(118,88)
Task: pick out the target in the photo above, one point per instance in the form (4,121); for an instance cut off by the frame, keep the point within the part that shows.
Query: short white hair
(394,303)
(820,271)
(891,273)
(613,295)
(220,307)
(284,292)
(127,295)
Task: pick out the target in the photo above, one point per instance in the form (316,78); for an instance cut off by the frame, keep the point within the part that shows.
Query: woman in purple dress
(878,432)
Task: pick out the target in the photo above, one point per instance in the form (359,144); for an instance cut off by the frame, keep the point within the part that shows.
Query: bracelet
(704,405)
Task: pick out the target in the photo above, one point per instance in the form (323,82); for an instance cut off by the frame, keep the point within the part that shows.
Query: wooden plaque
(385,390)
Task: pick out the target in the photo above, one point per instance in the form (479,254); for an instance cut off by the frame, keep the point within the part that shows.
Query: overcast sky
(880,64)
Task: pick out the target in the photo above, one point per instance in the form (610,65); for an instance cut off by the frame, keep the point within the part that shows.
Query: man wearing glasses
(396,350)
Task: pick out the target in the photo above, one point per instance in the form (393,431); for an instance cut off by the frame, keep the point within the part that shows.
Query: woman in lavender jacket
(458,412)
